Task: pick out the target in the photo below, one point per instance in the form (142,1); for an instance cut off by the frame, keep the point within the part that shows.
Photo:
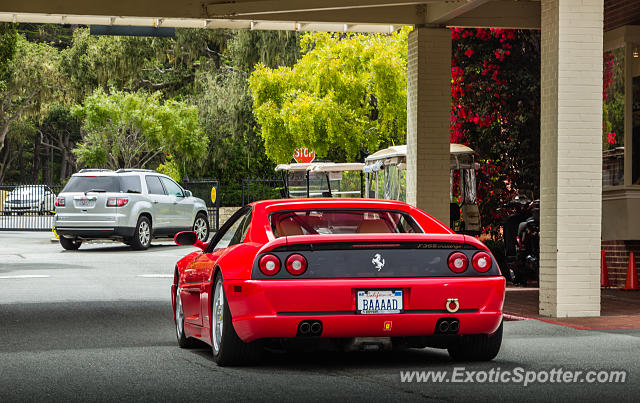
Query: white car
(29,199)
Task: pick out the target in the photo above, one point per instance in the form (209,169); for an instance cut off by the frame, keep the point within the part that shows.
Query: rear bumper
(96,233)
(265,309)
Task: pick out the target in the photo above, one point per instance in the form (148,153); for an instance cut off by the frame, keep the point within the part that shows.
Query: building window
(613,118)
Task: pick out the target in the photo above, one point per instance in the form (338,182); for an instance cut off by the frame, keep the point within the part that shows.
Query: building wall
(429,120)
(571,157)
(226,213)
(617,258)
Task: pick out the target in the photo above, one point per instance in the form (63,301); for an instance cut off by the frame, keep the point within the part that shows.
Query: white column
(428,120)
(571,157)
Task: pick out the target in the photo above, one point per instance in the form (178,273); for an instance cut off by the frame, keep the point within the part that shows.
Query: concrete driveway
(96,324)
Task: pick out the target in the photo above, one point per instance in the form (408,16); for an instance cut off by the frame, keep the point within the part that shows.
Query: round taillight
(269,265)
(458,262)
(296,264)
(481,262)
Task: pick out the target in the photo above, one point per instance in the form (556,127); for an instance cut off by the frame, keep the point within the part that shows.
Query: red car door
(190,295)
(234,233)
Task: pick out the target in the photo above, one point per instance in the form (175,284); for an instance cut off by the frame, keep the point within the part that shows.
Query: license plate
(379,301)
(83,202)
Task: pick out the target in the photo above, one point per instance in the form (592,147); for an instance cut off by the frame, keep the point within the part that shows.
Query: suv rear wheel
(201,227)
(141,238)
(70,244)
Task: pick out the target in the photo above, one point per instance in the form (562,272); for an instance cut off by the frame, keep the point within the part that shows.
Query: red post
(604,273)
(632,274)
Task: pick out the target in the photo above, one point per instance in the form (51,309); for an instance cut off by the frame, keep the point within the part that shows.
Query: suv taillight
(481,262)
(59,202)
(269,265)
(296,264)
(117,201)
(458,262)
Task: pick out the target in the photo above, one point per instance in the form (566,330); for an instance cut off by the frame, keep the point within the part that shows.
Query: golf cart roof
(321,167)
(461,157)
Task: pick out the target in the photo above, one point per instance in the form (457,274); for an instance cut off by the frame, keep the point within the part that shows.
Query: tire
(477,347)
(201,227)
(226,346)
(70,244)
(141,238)
(183,340)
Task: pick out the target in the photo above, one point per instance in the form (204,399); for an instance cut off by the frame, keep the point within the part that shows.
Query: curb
(509,317)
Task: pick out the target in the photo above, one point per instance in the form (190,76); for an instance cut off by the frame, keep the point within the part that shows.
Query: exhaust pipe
(309,328)
(447,326)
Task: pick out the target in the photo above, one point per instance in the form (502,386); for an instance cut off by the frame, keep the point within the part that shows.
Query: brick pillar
(428,120)
(571,157)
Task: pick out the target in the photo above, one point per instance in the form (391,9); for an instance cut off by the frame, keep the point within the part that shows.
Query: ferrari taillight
(481,262)
(269,265)
(59,202)
(458,262)
(117,201)
(296,264)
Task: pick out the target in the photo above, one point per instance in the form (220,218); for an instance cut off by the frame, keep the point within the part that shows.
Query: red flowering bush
(495,109)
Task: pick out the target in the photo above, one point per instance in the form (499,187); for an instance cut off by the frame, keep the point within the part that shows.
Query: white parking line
(24,276)
(155,275)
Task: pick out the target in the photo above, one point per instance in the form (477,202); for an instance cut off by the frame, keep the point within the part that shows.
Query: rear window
(113,184)
(313,222)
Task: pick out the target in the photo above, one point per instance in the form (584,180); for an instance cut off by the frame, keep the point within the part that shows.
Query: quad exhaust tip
(309,328)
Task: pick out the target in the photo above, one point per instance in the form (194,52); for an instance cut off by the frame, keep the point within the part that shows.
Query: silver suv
(131,205)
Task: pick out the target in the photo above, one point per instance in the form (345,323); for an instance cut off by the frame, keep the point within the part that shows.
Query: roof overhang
(302,15)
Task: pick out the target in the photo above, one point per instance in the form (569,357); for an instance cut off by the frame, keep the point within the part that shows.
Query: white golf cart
(385,178)
(322,179)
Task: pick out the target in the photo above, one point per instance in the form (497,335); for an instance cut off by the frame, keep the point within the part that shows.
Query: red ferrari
(355,272)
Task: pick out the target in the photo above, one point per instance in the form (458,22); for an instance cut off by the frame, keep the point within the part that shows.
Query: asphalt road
(95,325)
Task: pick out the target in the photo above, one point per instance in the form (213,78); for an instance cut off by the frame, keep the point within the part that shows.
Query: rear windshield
(124,184)
(312,222)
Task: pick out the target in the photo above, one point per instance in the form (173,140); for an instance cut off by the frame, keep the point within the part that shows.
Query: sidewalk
(619,309)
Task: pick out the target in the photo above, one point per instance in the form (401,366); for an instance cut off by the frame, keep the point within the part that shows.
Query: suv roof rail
(134,170)
(94,170)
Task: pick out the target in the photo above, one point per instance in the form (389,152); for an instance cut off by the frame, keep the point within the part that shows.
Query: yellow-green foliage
(347,92)
(170,168)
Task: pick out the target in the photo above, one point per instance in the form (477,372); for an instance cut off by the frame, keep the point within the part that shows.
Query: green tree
(30,80)
(137,130)
(8,39)
(345,96)
(236,151)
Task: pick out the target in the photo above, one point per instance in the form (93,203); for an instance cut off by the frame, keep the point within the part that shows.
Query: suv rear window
(313,222)
(113,184)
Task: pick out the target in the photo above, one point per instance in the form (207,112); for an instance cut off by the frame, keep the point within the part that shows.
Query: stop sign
(304,155)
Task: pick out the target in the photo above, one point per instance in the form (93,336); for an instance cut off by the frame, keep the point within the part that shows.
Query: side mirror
(187,193)
(189,238)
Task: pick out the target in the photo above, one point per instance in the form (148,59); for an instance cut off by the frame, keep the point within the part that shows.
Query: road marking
(24,276)
(155,275)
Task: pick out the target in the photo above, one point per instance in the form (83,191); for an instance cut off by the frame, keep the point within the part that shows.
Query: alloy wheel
(179,315)
(217,312)
(200,228)
(144,233)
